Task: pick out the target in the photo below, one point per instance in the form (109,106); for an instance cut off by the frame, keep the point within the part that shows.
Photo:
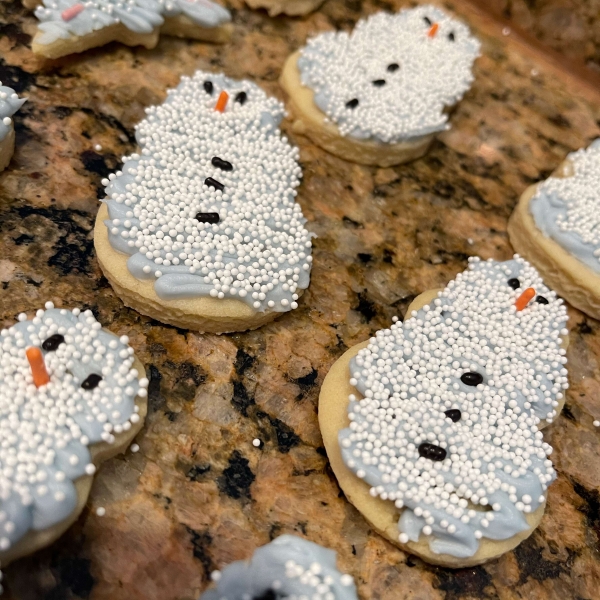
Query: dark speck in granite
(237,477)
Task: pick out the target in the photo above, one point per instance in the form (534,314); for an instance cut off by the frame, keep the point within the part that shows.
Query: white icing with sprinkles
(208,208)
(392,78)
(45,431)
(447,422)
(9,105)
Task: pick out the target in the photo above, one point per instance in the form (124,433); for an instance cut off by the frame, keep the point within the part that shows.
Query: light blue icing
(433,73)
(261,225)
(267,574)
(46,431)
(10,103)
(472,326)
(140,16)
(562,204)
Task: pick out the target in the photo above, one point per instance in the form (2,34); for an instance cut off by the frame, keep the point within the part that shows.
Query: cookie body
(292,8)
(380,94)
(416,423)
(75,27)
(201,230)
(98,391)
(9,105)
(563,255)
(288,567)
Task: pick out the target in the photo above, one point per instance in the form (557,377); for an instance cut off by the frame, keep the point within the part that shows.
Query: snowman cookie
(201,230)
(71,396)
(9,105)
(292,8)
(379,95)
(431,427)
(71,26)
(289,567)
(555,226)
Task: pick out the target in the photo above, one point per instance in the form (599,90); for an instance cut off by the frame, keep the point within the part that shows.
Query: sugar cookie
(379,95)
(431,427)
(288,567)
(97,390)
(201,230)
(292,8)
(555,226)
(71,26)
(9,105)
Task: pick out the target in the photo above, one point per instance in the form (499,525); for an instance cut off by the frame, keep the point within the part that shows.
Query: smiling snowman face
(208,208)
(392,78)
(447,428)
(65,384)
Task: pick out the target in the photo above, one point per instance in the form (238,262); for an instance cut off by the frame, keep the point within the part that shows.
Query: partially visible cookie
(71,26)
(556,226)
(380,94)
(292,8)
(9,105)
(96,389)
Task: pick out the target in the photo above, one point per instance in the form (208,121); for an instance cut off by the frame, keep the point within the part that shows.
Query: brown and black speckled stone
(199,494)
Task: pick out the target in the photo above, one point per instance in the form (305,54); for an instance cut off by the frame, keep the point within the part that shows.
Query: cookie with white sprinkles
(431,426)
(71,26)
(96,390)
(556,226)
(289,568)
(379,94)
(201,229)
(9,105)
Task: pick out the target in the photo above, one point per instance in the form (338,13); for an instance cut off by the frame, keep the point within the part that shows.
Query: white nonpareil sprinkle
(98,148)
(100,511)
(596,423)
(45,431)
(451,402)
(256,442)
(135,448)
(258,251)
(393,76)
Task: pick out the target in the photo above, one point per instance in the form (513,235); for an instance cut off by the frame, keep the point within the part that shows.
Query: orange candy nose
(38,367)
(524,298)
(222,101)
(433,30)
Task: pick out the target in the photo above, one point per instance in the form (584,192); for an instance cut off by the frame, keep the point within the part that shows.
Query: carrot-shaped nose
(523,300)
(433,30)
(38,367)
(222,101)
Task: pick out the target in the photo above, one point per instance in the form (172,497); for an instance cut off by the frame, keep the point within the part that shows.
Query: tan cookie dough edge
(574,281)
(199,314)
(36,540)
(310,121)
(180,26)
(7,148)
(292,8)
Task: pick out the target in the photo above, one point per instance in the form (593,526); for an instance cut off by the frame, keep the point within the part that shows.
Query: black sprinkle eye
(393,67)
(210,182)
(432,452)
(451,36)
(471,378)
(352,103)
(221,164)
(427,20)
(268,595)
(541,300)
(208,87)
(241,97)
(379,82)
(454,414)
(209,217)
(91,381)
(514,283)
(53,342)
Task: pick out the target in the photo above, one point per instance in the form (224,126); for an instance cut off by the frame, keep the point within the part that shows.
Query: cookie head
(393,76)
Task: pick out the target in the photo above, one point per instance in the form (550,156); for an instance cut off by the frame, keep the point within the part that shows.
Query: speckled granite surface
(198,494)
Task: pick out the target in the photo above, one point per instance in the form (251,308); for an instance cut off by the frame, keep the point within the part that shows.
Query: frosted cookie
(431,426)
(292,8)
(379,95)
(555,226)
(201,230)
(289,567)
(69,26)
(71,396)
(9,105)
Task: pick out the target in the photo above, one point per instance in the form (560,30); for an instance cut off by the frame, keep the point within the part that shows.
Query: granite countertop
(198,494)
